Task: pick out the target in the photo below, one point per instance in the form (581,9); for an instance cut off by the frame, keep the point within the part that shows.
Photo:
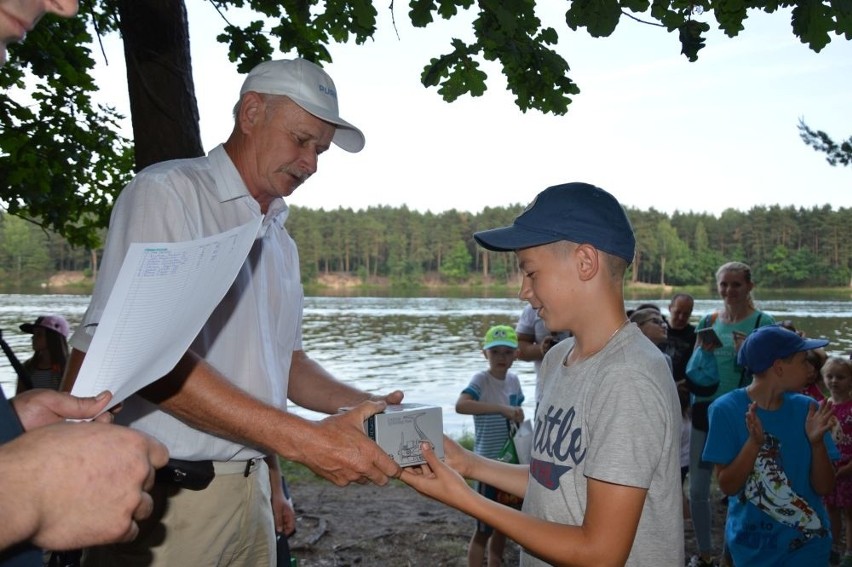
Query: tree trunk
(159,80)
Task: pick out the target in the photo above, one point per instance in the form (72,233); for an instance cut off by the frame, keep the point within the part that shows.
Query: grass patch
(466,440)
(297,472)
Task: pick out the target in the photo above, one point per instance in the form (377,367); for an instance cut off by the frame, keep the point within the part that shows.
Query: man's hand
(340,451)
(391,399)
(283,513)
(39,407)
(72,485)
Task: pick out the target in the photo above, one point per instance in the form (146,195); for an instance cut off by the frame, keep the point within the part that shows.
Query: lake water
(427,347)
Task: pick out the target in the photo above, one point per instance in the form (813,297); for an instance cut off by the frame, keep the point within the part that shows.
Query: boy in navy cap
(602,484)
(773,455)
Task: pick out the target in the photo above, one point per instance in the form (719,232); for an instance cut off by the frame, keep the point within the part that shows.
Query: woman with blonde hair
(737,318)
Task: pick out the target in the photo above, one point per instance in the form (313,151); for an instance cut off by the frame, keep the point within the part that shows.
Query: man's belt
(197,475)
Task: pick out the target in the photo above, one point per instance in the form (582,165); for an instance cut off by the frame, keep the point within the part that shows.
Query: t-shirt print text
(556,437)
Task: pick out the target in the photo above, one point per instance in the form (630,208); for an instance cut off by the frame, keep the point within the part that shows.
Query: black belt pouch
(192,475)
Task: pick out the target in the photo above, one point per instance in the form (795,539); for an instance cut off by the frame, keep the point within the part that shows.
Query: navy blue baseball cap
(767,344)
(577,212)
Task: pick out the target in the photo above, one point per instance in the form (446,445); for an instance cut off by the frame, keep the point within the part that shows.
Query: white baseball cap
(310,87)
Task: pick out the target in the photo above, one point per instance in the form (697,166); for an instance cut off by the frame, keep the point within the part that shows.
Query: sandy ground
(391,526)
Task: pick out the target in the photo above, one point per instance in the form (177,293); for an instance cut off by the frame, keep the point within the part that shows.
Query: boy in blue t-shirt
(493,398)
(773,455)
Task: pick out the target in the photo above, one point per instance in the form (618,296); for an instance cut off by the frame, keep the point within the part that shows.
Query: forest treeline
(786,246)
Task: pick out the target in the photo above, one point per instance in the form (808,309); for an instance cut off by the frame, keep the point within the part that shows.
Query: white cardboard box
(401,428)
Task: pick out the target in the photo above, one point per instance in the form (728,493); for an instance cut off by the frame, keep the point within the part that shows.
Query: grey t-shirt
(614,417)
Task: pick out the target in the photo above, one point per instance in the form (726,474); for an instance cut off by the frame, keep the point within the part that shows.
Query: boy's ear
(587,260)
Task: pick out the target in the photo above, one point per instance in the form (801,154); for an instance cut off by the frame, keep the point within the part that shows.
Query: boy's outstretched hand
(438,480)
(820,419)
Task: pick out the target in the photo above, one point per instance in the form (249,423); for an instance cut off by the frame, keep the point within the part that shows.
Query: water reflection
(429,346)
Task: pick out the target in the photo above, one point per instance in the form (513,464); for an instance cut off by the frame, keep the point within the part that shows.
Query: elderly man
(223,407)
(680,340)
(63,484)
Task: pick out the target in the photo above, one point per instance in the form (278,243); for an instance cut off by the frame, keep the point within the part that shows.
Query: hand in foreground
(436,479)
(78,484)
(820,419)
(40,407)
(340,451)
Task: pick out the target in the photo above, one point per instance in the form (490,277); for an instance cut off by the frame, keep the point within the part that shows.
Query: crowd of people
(187,472)
(781,455)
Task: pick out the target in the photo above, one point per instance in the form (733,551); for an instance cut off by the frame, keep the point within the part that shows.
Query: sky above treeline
(648,126)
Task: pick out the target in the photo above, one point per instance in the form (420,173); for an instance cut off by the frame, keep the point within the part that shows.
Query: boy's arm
(528,349)
(507,477)
(468,406)
(605,537)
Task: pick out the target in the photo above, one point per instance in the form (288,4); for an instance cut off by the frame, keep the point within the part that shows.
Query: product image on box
(401,428)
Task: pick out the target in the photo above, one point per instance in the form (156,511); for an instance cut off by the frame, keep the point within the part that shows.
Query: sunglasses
(655,320)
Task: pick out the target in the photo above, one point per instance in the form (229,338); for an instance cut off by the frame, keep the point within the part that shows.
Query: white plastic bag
(523,442)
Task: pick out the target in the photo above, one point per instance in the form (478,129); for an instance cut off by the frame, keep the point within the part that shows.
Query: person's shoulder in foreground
(769,439)
(574,244)
(105,493)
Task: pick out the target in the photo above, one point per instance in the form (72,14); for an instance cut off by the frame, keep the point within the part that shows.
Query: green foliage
(25,250)
(691,34)
(820,141)
(812,22)
(456,266)
(456,73)
(307,27)
(62,161)
(786,247)
(599,17)
(466,440)
(730,15)
(507,31)
(61,158)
